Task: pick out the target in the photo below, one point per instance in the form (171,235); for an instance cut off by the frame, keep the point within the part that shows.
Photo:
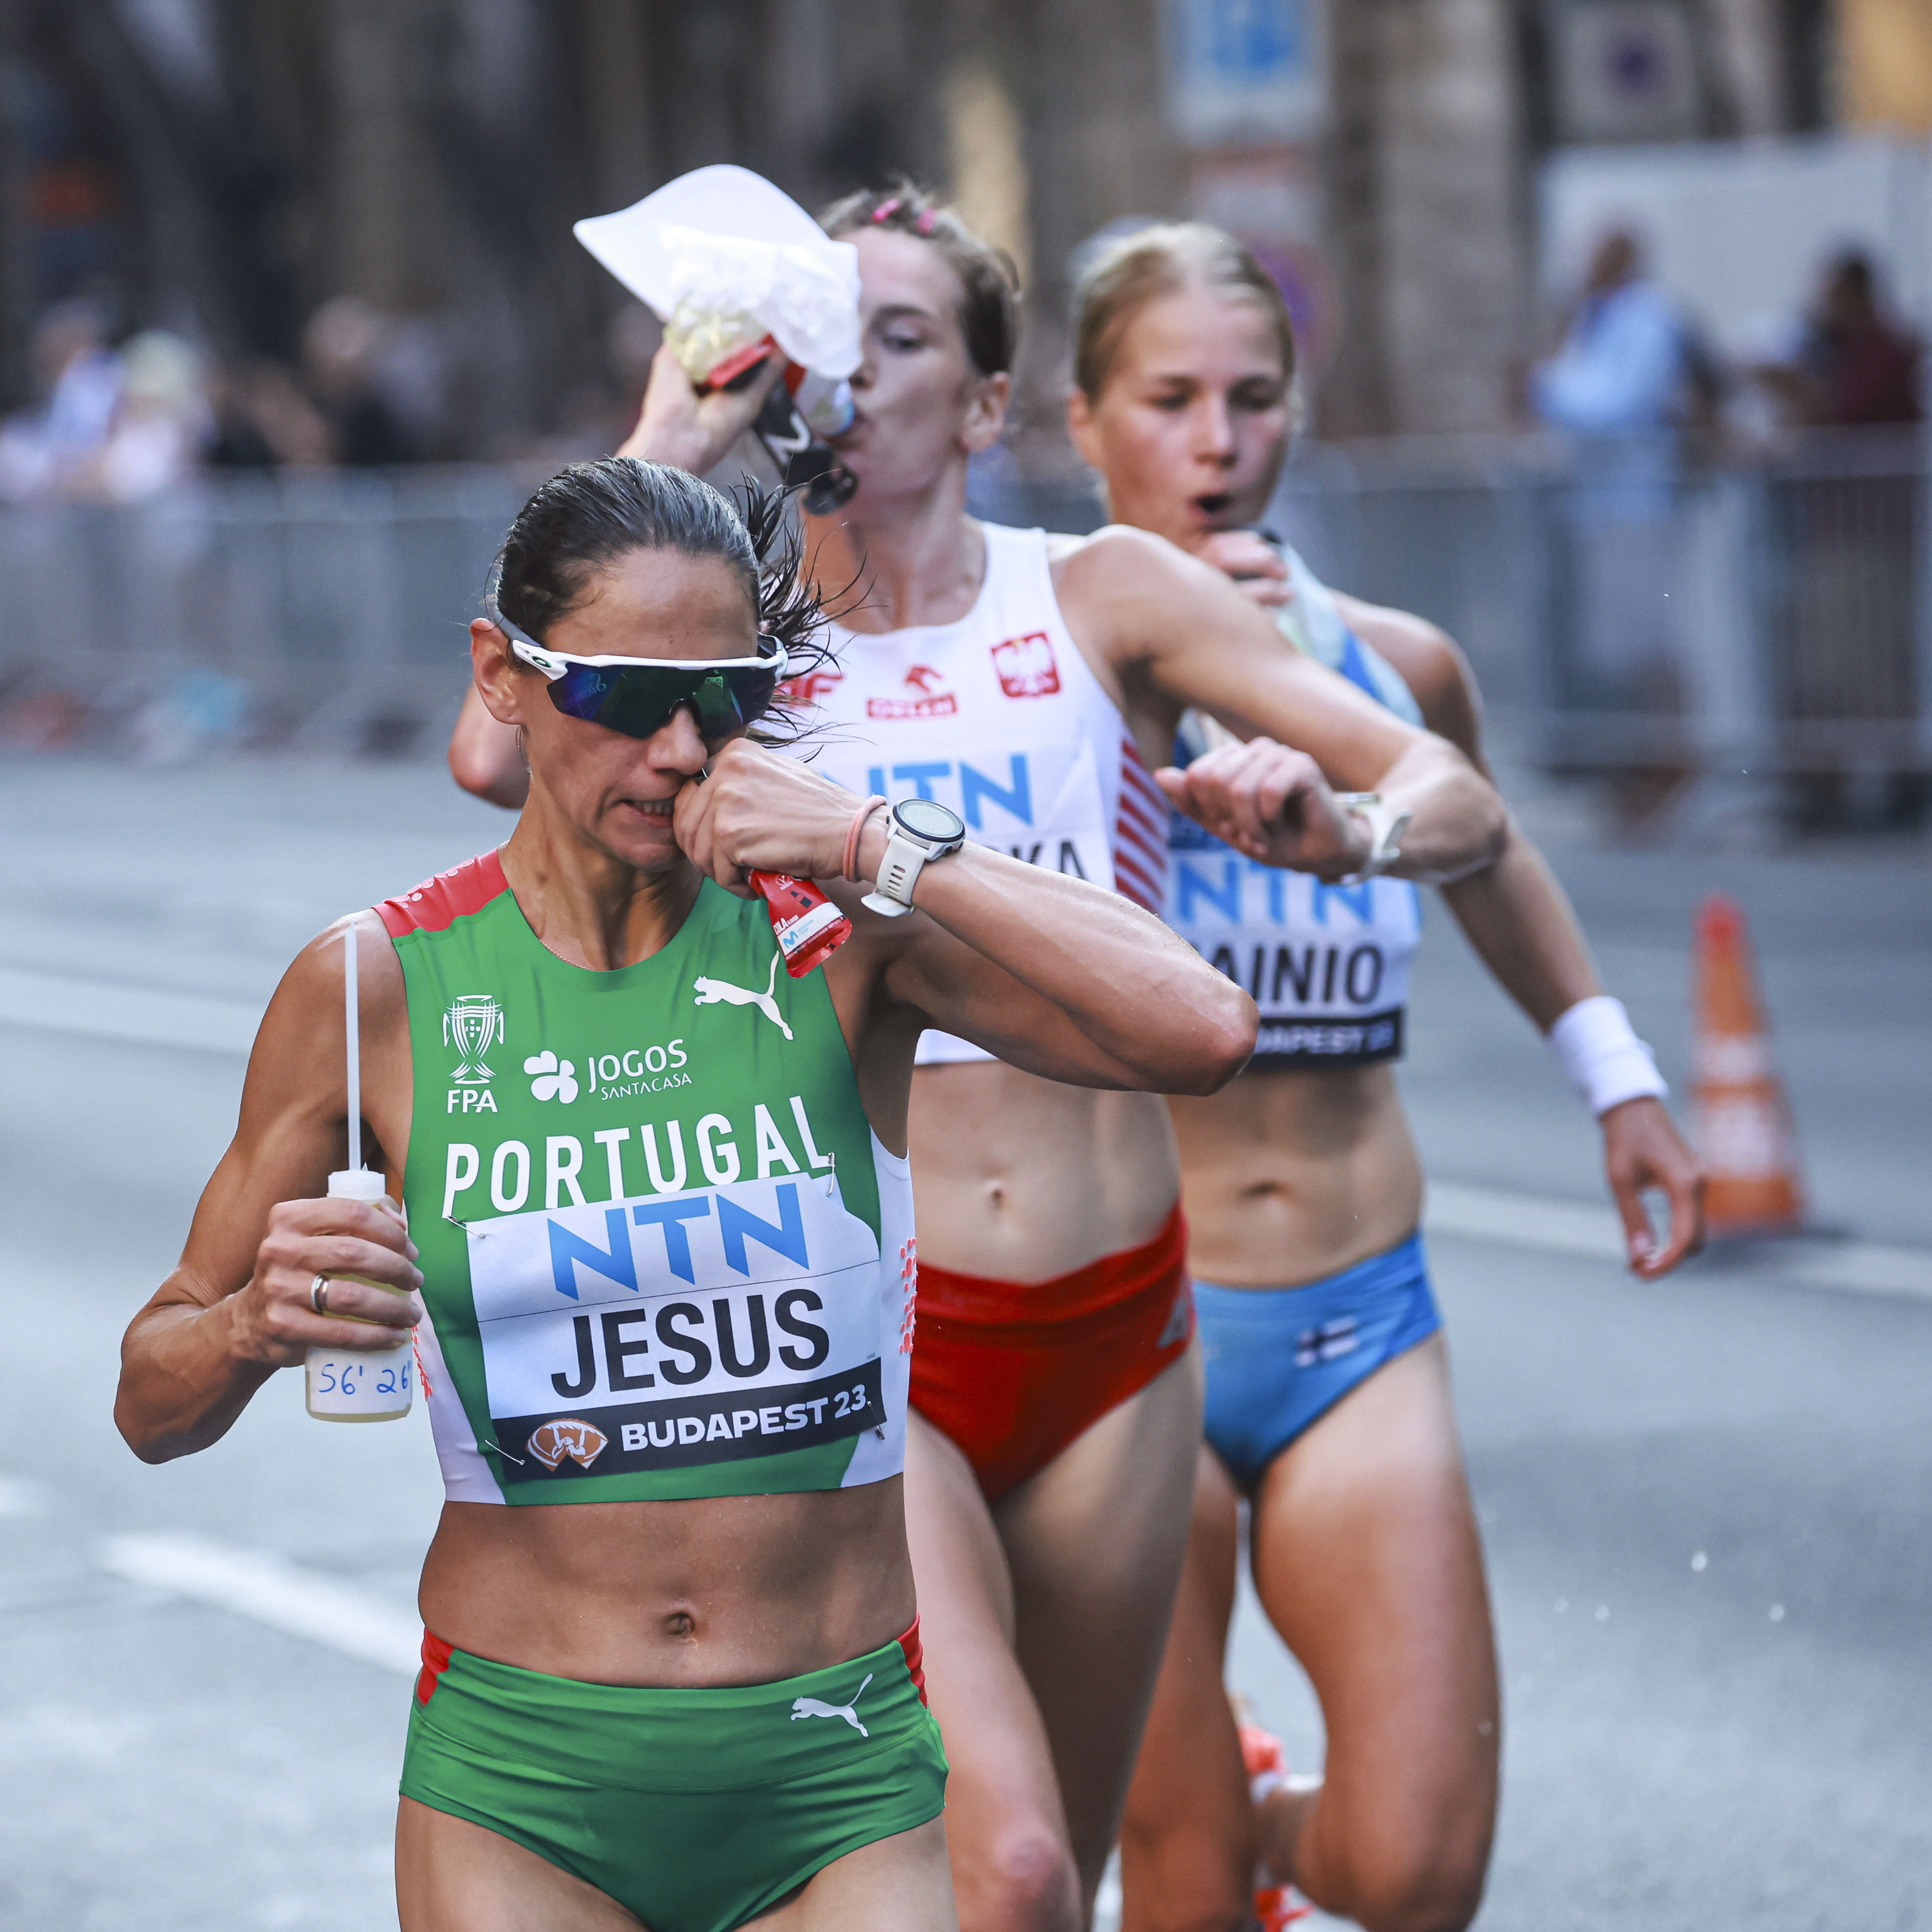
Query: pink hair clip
(887,210)
(925,224)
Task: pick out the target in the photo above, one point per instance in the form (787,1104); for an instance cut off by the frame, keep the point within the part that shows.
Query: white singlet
(999,717)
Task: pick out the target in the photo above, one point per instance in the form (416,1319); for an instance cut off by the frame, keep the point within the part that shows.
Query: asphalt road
(1706,1501)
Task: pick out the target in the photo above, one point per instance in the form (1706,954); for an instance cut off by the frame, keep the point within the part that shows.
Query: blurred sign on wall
(1244,71)
(1885,53)
(1248,94)
(1625,70)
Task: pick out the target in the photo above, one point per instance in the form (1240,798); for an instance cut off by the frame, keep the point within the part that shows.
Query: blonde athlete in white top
(1045,1610)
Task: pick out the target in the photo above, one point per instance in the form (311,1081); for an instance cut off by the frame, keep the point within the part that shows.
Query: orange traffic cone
(1741,1120)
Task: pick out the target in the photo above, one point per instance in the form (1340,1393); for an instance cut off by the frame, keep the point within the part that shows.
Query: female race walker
(664,1246)
(1028,684)
(1328,1402)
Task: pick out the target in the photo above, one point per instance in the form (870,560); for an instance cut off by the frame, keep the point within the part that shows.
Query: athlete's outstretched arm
(1176,630)
(1051,973)
(1520,921)
(237,1308)
(676,426)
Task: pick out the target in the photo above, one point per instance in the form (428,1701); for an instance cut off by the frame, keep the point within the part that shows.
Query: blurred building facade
(225,168)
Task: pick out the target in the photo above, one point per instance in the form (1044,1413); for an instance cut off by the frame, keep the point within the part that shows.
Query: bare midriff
(715,1591)
(1289,1177)
(1023,1179)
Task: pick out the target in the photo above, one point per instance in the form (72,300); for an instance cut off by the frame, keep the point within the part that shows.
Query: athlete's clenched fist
(1252,564)
(756,811)
(1273,805)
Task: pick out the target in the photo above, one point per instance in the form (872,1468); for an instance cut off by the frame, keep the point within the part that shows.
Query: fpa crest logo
(473,1024)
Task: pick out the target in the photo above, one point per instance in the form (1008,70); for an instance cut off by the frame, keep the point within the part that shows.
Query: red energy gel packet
(809,927)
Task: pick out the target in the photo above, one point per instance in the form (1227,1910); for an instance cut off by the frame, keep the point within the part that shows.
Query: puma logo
(812,1707)
(722,992)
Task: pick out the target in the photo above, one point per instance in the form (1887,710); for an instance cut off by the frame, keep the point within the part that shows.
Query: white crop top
(999,717)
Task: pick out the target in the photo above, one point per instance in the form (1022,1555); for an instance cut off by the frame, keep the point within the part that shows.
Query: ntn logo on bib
(1041,804)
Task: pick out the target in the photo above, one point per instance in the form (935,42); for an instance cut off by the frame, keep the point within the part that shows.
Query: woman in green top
(665,1248)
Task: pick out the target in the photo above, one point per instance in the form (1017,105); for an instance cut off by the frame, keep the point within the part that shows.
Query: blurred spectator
(1623,364)
(161,423)
(1621,385)
(342,347)
(1851,364)
(262,418)
(49,450)
(1847,665)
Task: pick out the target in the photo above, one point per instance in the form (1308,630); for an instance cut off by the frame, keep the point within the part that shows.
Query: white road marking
(272,1591)
(139,1013)
(1522,1220)
(1576,1228)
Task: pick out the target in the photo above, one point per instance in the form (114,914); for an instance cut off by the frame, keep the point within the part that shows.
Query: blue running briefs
(1279,1358)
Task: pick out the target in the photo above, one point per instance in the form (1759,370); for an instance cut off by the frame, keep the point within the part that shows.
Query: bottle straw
(352,1020)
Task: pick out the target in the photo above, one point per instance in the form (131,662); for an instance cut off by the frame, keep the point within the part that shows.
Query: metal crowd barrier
(1626,605)
(315,608)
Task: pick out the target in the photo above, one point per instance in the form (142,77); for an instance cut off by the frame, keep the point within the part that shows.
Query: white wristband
(1606,1061)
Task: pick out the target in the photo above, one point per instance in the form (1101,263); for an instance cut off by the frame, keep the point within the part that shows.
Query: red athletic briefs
(1013,1372)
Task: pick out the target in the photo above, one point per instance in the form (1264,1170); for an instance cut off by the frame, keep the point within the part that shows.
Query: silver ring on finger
(318,1294)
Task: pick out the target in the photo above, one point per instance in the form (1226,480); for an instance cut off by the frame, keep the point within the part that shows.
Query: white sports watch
(1386,826)
(917,830)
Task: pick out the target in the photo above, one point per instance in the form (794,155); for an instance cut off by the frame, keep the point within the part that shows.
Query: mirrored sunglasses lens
(752,694)
(640,701)
(719,713)
(581,692)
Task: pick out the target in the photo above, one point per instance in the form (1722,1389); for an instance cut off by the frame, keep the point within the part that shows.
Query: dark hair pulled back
(587,516)
(989,308)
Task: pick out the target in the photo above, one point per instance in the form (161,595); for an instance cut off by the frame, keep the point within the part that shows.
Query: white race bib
(671,1330)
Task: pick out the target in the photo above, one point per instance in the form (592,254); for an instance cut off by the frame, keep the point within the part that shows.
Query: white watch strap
(1386,826)
(898,872)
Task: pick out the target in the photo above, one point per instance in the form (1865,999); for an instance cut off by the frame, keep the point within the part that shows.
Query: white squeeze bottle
(359,1384)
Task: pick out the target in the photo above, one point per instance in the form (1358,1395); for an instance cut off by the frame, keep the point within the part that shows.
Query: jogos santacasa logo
(474,1023)
(613,1076)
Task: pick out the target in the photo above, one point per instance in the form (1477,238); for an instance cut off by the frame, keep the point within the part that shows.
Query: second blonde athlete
(1328,1402)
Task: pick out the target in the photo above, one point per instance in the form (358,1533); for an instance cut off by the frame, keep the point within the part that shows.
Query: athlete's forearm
(677,426)
(1457,824)
(184,1379)
(1166,1021)
(1521,923)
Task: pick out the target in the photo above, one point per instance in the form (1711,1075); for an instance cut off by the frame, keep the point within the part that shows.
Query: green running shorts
(695,1810)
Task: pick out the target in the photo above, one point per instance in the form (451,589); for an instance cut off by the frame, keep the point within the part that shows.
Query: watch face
(925,818)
